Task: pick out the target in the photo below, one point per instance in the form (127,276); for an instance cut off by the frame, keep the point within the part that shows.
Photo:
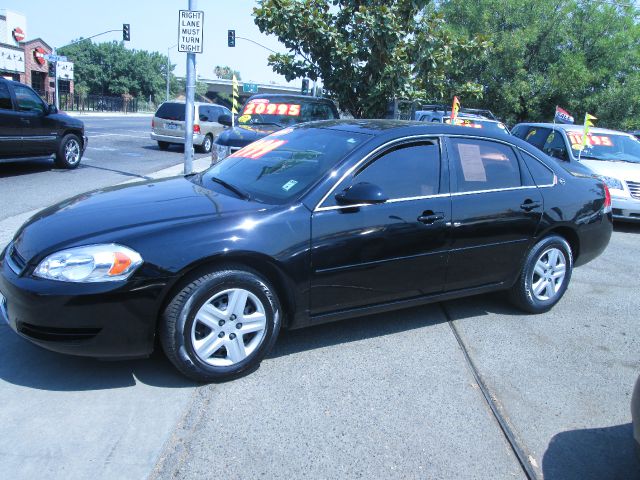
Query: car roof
(290,97)
(182,102)
(574,128)
(405,127)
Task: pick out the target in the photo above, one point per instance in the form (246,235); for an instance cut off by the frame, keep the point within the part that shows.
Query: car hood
(103,216)
(619,170)
(242,136)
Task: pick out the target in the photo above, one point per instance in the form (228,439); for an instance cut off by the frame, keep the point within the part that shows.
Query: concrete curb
(10,225)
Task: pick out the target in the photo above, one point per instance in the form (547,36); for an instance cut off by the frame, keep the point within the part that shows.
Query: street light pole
(168,72)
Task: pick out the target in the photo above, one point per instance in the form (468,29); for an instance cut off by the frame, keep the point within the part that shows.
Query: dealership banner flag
(562,116)
(585,139)
(454,110)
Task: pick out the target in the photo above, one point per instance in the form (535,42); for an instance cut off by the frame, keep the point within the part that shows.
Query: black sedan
(314,223)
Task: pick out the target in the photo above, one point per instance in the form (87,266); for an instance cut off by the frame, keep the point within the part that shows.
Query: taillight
(153,123)
(607,199)
(196,129)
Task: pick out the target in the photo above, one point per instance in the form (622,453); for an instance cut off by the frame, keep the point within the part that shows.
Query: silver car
(167,126)
(612,155)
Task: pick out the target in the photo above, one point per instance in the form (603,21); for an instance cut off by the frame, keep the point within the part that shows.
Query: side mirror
(51,109)
(362,192)
(225,120)
(559,153)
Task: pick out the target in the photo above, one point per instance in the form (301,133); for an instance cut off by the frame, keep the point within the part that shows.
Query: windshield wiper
(234,189)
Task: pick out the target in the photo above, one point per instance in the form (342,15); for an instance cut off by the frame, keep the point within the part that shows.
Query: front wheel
(69,152)
(545,275)
(221,325)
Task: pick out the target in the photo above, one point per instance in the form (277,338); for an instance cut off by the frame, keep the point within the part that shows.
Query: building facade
(25,60)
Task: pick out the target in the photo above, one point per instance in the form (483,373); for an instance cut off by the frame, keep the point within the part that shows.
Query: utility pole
(168,72)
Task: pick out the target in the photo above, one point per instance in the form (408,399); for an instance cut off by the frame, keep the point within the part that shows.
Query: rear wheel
(163,145)
(69,152)
(545,276)
(207,143)
(221,325)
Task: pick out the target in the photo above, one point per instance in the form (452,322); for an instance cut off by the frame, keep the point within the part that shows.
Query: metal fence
(101,103)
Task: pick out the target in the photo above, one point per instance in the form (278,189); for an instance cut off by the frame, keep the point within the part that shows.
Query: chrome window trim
(318,208)
(439,136)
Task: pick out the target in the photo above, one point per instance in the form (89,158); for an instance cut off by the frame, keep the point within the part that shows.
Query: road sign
(190,27)
(250,87)
(65,70)
(55,58)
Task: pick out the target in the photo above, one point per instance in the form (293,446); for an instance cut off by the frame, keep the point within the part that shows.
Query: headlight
(613,183)
(93,263)
(219,152)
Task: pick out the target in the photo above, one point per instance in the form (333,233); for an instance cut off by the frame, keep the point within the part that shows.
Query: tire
(200,332)
(163,145)
(207,143)
(69,152)
(542,284)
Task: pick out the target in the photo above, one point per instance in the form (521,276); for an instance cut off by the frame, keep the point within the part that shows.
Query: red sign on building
(18,34)
(38,54)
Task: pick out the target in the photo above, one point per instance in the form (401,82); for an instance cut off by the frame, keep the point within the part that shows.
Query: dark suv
(266,113)
(29,128)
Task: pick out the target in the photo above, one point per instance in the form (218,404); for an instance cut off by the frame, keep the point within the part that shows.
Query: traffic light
(52,69)
(126,32)
(305,86)
(231,40)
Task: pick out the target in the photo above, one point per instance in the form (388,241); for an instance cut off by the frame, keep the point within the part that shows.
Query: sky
(154,27)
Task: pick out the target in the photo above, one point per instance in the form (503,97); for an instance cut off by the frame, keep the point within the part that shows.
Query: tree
(226,72)
(367,52)
(580,54)
(111,69)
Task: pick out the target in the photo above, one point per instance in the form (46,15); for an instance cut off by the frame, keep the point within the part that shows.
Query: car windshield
(606,146)
(283,113)
(485,125)
(279,167)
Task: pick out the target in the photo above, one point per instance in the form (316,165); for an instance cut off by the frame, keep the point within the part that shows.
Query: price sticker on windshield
(258,149)
(262,108)
(599,140)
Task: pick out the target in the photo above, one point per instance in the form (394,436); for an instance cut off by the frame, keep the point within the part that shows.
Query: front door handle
(529,205)
(430,217)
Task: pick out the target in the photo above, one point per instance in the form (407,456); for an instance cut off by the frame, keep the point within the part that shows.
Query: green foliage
(111,69)
(226,72)
(579,54)
(368,52)
(200,92)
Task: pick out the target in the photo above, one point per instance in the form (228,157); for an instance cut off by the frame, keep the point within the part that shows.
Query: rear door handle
(529,205)
(25,120)
(429,217)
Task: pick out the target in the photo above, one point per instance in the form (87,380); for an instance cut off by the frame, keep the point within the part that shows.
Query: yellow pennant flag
(234,108)
(587,123)
(454,110)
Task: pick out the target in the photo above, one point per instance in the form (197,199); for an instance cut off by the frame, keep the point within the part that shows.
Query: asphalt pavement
(465,389)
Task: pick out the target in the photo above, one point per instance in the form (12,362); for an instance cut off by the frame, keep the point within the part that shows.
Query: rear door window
(484,165)
(537,136)
(5,97)
(541,174)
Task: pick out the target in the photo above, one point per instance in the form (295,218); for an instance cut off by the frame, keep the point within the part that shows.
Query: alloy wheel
(228,327)
(72,152)
(548,274)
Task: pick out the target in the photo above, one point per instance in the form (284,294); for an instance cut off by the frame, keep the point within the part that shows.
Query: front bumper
(625,208)
(198,139)
(105,320)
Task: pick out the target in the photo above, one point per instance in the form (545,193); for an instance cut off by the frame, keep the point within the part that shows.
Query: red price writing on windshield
(576,139)
(258,149)
(261,108)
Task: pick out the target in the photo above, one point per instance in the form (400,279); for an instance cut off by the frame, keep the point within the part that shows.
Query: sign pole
(55,83)
(189,107)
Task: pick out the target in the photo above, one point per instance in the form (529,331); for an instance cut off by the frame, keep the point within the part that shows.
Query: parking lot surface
(388,396)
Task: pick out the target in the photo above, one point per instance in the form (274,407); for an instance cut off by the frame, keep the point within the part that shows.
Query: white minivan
(612,155)
(167,126)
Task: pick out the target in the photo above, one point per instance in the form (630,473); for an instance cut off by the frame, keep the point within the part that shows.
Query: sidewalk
(9,225)
(84,114)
